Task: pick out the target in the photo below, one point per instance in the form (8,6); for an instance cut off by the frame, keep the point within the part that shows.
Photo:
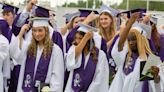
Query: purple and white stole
(82,78)
(29,79)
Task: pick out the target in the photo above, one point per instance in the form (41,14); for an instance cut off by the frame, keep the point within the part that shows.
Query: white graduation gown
(55,74)
(130,82)
(97,39)
(4,61)
(101,76)
(7,63)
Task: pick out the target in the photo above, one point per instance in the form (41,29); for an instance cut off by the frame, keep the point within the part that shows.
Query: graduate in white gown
(127,56)
(8,15)
(88,66)
(4,56)
(45,59)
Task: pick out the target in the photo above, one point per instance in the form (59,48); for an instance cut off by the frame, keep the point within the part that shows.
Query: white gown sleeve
(22,18)
(101,77)
(158,87)
(4,48)
(57,79)
(6,63)
(6,67)
(4,59)
(119,57)
(72,62)
(15,51)
(14,47)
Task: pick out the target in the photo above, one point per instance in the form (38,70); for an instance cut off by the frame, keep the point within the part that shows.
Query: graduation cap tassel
(91,44)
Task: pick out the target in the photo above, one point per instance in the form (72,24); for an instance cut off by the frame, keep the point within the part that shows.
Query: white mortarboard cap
(158,20)
(139,29)
(109,10)
(154,19)
(144,29)
(86,28)
(147,29)
(70,16)
(9,7)
(115,11)
(40,21)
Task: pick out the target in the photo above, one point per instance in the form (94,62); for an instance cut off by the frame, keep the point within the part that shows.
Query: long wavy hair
(111,30)
(48,44)
(142,46)
(156,37)
(92,50)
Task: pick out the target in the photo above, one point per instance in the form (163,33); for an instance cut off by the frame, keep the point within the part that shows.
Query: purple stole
(104,45)
(82,78)
(5,30)
(145,86)
(152,47)
(111,47)
(112,65)
(129,66)
(57,39)
(29,79)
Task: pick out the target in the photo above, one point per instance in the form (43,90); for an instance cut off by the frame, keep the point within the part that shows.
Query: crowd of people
(97,50)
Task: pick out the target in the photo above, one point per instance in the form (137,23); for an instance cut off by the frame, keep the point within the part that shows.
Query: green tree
(133,4)
(142,4)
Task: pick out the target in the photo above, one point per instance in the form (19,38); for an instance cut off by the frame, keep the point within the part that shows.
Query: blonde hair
(72,21)
(111,30)
(32,48)
(142,45)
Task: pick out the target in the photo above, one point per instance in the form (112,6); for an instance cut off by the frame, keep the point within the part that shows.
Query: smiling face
(132,40)
(39,33)
(105,20)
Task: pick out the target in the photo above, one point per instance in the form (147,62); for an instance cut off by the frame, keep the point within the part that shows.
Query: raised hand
(92,16)
(30,5)
(135,16)
(25,27)
(89,35)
